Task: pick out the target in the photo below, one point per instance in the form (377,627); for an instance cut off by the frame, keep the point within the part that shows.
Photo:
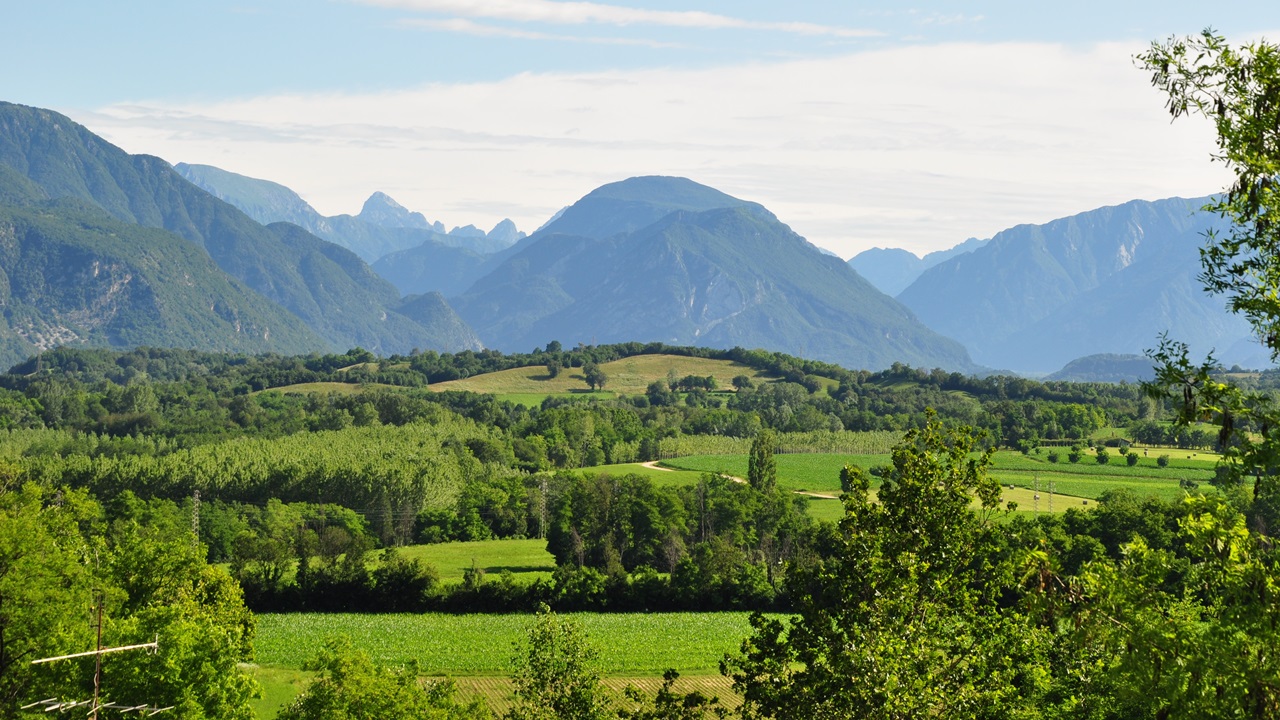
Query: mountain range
(1105,281)
(324,296)
(101,247)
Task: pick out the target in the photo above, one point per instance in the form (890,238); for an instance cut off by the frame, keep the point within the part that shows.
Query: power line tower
(95,704)
(195,517)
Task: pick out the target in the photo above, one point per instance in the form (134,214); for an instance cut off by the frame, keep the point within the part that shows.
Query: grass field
(805,472)
(528,560)
(631,644)
(629,376)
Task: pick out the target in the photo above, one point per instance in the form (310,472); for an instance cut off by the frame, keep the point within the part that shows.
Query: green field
(804,472)
(631,644)
(528,560)
(1077,481)
(629,376)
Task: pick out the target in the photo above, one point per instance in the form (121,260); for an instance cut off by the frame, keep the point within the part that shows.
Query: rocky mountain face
(327,289)
(1105,281)
(667,259)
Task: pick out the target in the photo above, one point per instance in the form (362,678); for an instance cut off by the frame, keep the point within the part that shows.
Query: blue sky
(893,124)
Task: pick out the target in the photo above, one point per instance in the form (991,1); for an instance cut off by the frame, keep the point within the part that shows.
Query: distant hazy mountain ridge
(891,270)
(1105,281)
(383,226)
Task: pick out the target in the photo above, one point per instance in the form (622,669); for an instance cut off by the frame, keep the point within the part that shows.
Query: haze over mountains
(891,270)
(1105,281)
(105,248)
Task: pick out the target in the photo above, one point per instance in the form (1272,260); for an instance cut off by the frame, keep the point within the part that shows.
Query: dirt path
(653,465)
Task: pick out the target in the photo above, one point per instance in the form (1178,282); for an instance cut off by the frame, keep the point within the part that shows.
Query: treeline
(195,397)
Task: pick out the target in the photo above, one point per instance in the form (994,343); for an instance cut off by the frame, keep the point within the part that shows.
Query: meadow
(629,376)
(528,560)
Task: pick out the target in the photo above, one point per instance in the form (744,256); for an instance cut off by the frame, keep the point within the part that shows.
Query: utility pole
(57,705)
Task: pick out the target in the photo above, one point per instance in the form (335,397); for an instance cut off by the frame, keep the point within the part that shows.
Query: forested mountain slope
(330,289)
(71,274)
(669,260)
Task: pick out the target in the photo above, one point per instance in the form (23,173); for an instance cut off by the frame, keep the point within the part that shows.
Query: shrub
(1131,458)
(1053,457)
(1104,457)
(1163,461)
(1073,456)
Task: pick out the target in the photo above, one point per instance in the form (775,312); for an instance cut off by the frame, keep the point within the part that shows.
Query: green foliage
(556,675)
(671,705)
(57,552)
(904,604)
(762,469)
(350,685)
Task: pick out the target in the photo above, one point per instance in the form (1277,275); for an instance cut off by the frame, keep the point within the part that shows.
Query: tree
(1238,89)
(762,469)
(904,619)
(555,673)
(553,368)
(151,581)
(594,376)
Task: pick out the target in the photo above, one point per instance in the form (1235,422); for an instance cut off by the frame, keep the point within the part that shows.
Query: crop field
(629,376)
(528,560)
(631,644)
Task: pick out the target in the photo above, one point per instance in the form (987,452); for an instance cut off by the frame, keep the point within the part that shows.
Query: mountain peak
(382,209)
(628,205)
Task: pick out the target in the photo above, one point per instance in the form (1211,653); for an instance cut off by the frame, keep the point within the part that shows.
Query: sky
(859,124)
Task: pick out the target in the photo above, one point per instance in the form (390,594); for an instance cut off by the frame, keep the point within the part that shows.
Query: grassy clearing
(629,376)
(631,645)
(279,687)
(527,559)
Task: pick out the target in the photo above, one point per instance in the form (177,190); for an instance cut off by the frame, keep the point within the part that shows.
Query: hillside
(342,301)
(1105,281)
(666,259)
(628,376)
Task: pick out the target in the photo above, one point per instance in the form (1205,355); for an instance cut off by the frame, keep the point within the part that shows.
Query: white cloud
(464,26)
(916,147)
(580,13)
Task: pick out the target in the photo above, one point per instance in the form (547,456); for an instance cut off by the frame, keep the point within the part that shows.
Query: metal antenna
(57,705)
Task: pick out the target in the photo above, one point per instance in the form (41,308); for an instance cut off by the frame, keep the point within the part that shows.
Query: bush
(1163,461)
(1131,458)
(1073,456)
(1053,457)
